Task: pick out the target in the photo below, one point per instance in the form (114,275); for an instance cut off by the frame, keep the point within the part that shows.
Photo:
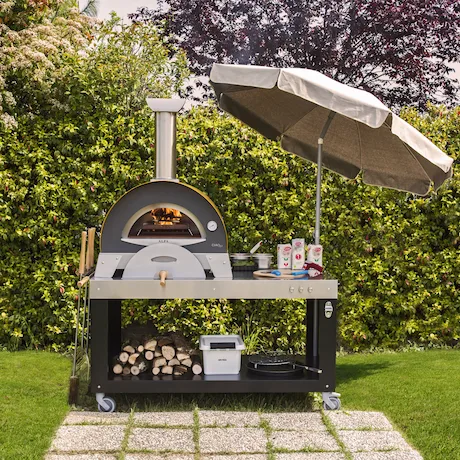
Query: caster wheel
(332,404)
(110,402)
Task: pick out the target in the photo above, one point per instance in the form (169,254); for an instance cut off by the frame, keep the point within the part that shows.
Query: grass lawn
(418,391)
(33,402)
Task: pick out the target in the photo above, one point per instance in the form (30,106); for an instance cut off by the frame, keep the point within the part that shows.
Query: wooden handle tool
(81,268)
(82,282)
(163,275)
(90,248)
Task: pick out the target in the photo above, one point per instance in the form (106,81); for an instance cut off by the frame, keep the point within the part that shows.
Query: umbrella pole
(315,343)
(318,177)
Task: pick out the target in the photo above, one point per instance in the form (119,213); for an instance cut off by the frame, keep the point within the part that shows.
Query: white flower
(9,121)
(9,99)
(5,7)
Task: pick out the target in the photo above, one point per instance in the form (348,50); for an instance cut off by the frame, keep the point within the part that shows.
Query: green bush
(71,151)
(396,255)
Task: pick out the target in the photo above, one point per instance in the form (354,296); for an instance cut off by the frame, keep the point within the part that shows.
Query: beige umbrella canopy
(299,106)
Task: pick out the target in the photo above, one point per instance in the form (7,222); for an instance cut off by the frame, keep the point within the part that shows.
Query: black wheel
(110,402)
(332,404)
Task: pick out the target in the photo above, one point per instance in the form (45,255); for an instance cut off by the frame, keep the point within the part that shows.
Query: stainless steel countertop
(246,288)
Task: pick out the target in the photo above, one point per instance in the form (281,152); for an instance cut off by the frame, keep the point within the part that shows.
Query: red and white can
(315,255)
(284,256)
(298,253)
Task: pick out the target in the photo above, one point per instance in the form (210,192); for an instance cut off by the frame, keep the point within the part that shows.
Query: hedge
(396,255)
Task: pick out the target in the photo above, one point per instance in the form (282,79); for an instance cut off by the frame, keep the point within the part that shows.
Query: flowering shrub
(79,137)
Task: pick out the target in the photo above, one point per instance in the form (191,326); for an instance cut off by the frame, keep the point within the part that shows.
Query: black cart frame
(321,301)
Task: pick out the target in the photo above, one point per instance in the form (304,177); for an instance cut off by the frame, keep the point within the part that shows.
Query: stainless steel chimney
(165,142)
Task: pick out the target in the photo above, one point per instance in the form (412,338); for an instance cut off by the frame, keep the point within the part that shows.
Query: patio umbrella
(299,106)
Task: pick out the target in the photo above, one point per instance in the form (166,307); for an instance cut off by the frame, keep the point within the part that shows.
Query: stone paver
(161,439)
(358,420)
(164,418)
(88,438)
(356,441)
(310,421)
(311,456)
(394,455)
(298,440)
(235,457)
(223,440)
(228,435)
(223,418)
(100,418)
(159,457)
(80,457)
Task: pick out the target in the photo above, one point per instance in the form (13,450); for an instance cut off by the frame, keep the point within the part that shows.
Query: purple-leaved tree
(399,50)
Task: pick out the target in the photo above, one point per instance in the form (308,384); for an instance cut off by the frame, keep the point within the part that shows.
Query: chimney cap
(165,105)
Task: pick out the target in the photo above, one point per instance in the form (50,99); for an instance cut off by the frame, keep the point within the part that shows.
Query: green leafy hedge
(396,256)
(73,147)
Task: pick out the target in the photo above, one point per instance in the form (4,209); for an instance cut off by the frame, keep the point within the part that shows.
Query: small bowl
(240,256)
(242,260)
(263,260)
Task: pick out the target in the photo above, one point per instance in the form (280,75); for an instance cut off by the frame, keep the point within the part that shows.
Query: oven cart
(320,297)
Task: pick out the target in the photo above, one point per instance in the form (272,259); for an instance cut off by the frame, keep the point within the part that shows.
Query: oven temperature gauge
(212,226)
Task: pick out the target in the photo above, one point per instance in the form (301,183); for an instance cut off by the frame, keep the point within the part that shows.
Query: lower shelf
(244,382)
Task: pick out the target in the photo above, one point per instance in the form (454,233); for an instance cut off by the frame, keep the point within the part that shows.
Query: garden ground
(417,391)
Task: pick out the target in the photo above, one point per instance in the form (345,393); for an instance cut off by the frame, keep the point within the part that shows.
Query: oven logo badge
(217,245)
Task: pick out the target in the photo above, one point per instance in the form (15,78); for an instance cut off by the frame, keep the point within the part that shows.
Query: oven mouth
(163,223)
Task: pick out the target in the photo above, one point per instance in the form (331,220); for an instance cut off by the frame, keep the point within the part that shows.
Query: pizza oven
(164,225)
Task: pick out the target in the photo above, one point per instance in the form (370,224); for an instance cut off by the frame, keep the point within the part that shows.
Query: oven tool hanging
(85,271)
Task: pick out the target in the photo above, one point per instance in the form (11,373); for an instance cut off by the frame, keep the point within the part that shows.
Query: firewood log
(187,362)
(149,355)
(173,362)
(166,370)
(180,355)
(117,368)
(123,357)
(132,358)
(159,362)
(142,363)
(158,352)
(150,344)
(129,349)
(164,341)
(180,370)
(197,368)
(156,370)
(127,369)
(168,351)
(140,348)
(135,370)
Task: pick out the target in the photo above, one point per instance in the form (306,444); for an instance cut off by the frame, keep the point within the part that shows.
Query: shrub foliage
(68,153)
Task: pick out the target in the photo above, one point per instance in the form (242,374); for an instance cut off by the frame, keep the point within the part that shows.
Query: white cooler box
(221,354)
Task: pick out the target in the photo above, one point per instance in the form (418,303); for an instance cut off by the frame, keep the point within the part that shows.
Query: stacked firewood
(168,355)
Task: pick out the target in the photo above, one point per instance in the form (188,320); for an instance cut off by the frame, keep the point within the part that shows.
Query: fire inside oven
(164,222)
